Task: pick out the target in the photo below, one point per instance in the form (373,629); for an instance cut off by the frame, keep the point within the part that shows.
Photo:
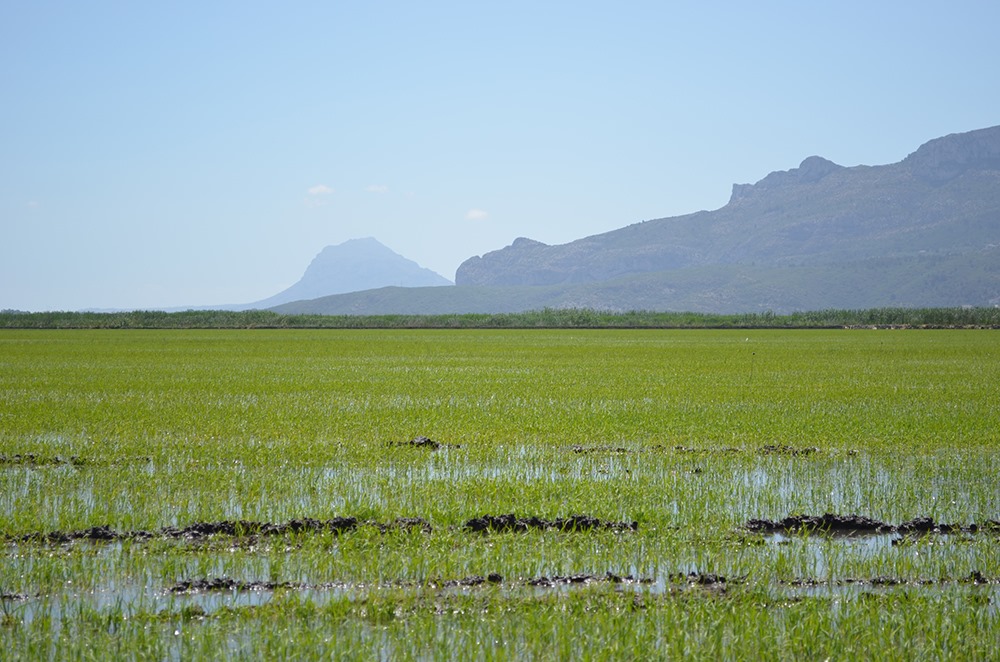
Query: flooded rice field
(509,494)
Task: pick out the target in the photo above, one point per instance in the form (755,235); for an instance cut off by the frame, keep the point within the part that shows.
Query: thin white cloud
(476,215)
(377,188)
(316,196)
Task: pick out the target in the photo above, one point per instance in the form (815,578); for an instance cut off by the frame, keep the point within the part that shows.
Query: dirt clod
(511,522)
(250,528)
(33,460)
(586,450)
(13,597)
(709,451)
(779,449)
(216,584)
(227,584)
(563,580)
(856,524)
(828,523)
(422,441)
(475,580)
(699,578)
(974,577)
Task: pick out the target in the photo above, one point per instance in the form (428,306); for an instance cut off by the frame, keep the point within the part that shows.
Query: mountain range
(922,232)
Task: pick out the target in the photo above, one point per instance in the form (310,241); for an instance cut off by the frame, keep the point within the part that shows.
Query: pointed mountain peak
(353,266)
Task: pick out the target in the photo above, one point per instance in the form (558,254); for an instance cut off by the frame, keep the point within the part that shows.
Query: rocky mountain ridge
(923,232)
(942,198)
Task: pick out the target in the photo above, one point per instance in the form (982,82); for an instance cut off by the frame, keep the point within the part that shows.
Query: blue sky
(190,153)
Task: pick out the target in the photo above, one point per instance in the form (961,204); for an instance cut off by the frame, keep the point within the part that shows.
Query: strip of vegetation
(550,318)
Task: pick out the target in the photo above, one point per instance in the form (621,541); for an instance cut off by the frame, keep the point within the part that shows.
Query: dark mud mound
(927,525)
(700,579)
(475,580)
(424,442)
(810,582)
(828,523)
(777,449)
(94,533)
(707,451)
(782,450)
(37,461)
(198,530)
(12,597)
(563,580)
(511,522)
(226,584)
(860,525)
(252,530)
(975,578)
(249,528)
(769,449)
(229,585)
(32,460)
(588,450)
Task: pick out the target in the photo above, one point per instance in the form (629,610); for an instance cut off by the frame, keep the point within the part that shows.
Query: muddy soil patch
(860,524)
(12,597)
(779,449)
(511,522)
(253,530)
(424,442)
(708,451)
(607,449)
(583,578)
(768,449)
(975,578)
(226,584)
(580,449)
(242,528)
(701,579)
(198,530)
(33,460)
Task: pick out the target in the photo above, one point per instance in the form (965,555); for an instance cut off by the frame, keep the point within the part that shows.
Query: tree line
(553,318)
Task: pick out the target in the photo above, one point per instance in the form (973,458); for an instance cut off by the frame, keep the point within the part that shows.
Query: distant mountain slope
(355,265)
(915,282)
(942,199)
(923,232)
